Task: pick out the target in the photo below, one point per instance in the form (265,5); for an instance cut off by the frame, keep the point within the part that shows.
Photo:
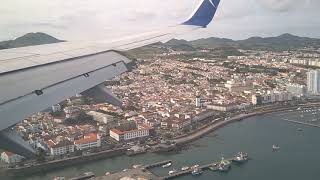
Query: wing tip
(203,14)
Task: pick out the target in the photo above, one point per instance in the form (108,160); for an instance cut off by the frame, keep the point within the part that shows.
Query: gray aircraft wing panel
(57,82)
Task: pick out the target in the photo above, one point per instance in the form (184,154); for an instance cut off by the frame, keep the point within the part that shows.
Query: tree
(41,155)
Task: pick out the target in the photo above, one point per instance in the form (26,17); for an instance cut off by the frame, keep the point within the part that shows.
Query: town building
(11,158)
(238,87)
(140,132)
(222,107)
(60,148)
(271,97)
(297,90)
(175,123)
(56,108)
(91,140)
(101,117)
(198,101)
(313,82)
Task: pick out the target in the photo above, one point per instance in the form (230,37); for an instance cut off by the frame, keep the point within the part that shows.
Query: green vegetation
(81,118)
(279,43)
(29,39)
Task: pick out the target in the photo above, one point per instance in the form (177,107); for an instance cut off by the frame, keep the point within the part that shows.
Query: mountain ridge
(282,42)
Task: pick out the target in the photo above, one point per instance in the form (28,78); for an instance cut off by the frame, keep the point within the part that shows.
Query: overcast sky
(96,19)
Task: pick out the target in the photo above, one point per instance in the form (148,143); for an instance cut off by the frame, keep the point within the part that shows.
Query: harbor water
(298,157)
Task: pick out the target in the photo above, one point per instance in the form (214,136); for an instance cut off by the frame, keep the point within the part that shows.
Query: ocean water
(298,158)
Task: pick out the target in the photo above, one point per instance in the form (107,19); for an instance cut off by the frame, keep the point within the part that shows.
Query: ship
(196,171)
(167,165)
(275,147)
(224,165)
(185,168)
(172,172)
(240,157)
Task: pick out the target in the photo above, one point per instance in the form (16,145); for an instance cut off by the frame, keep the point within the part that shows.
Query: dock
(157,164)
(303,123)
(145,173)
(189,171)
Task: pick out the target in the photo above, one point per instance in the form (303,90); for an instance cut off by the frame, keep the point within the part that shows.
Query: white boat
(59,178)
(172,172)
(195,166)
(275,147)
(167,165)
(137,166)
(185,168)
(196,172)
(107,173)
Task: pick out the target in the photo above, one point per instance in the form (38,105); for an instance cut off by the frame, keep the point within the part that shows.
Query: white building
(119,135)
(271,97)
(222,107)
(56,108)
(91,140)
(297,90)
(100,117)
(11,158)
(313,81)
(60,148)
(198,101)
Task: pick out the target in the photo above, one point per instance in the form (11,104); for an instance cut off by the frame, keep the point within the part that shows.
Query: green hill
(282,42)
(29,39)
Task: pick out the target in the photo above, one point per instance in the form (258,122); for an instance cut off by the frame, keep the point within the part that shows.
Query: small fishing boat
(196,172)
(240,157)
(185,168)
(172,172)
(167,165)
(224,165)
(275,147)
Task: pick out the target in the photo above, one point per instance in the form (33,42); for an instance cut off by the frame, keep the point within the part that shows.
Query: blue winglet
(204,14)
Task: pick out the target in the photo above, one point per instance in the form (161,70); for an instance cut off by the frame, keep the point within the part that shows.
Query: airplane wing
(36,77)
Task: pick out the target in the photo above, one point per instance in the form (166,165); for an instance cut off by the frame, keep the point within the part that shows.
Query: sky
(76,20)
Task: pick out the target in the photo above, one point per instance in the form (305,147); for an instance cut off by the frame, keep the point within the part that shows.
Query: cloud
(95,19)
(282,5)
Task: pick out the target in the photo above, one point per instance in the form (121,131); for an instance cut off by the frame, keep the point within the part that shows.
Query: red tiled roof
(9,154)
(117,131)
(91,137)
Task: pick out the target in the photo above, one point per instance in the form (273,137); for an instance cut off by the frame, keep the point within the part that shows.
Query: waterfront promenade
(220,122)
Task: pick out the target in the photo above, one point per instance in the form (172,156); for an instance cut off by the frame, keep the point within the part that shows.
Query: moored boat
(224,165)
(167,165)
(185,168)
(240,157)
(172,172)
(196,171)
(275,147)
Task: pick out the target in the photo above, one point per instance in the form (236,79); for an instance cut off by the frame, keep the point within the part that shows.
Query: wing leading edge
(37,77)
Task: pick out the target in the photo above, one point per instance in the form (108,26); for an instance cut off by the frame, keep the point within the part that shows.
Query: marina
(221,166)
(196,170)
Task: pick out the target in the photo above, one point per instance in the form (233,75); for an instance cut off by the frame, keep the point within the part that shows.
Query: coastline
(180,141)
(220,122)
